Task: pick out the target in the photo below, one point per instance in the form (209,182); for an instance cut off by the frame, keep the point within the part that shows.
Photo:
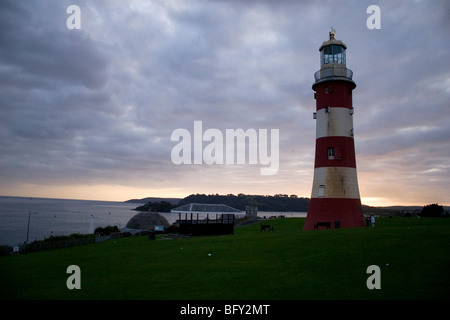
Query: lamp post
(28,227)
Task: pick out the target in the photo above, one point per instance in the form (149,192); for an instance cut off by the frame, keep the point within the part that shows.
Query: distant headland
(277,202)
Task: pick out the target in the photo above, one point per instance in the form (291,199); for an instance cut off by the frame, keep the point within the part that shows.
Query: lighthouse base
(342,212)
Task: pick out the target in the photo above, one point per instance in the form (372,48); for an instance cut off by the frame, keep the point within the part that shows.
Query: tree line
(434,210)
(278,202)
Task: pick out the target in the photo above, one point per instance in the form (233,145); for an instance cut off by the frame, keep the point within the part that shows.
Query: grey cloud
(100,103)
(42,50)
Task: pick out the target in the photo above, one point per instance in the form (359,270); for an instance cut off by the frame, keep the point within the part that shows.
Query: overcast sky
(88,113)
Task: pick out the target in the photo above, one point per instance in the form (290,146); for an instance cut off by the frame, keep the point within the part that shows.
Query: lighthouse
(335,200)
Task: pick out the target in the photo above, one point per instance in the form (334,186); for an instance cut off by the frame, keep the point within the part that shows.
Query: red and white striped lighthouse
(335,200)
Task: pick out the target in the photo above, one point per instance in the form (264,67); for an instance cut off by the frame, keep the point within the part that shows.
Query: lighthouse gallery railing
(333,72)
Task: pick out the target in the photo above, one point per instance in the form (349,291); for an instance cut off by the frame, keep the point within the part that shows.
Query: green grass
(286,264)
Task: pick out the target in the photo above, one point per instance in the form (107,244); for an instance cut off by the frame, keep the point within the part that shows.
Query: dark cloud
(33,45)
(98,105)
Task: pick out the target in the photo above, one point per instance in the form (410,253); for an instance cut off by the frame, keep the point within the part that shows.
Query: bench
(322,224)
(266,226)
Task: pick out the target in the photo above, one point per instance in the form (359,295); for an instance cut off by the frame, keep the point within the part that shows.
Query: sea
(40,218)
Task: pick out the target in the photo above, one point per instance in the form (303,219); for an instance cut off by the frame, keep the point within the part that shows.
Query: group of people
(370,221)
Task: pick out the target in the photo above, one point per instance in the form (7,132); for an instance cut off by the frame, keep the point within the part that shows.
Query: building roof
(205,208)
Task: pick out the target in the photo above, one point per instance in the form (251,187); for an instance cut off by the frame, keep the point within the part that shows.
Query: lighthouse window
(330,153)
(332,54)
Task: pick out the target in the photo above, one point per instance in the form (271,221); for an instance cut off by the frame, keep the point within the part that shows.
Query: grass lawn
(289,264)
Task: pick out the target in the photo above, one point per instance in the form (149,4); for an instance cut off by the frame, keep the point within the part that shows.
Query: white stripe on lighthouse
(335,182)
(334,121)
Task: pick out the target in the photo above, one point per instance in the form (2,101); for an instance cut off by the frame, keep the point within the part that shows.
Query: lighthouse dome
(332,42)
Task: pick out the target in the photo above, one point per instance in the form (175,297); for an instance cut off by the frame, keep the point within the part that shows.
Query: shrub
(104,231)
(432,210)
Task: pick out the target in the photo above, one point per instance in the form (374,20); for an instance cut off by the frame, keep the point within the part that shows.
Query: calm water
(64,217)
(57,217)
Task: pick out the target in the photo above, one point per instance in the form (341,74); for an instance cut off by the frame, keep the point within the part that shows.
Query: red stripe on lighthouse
(334,94)
(343,152)
(334,209)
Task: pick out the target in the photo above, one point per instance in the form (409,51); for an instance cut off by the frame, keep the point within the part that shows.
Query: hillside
(173,201)
(282,203)
(279,202)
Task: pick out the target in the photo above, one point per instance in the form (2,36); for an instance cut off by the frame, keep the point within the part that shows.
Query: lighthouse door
(321,191)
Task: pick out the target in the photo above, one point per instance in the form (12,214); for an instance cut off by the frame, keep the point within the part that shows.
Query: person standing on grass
(372,220)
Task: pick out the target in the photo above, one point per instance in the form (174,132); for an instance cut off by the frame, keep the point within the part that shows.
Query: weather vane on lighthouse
(332,33)
(335,200)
